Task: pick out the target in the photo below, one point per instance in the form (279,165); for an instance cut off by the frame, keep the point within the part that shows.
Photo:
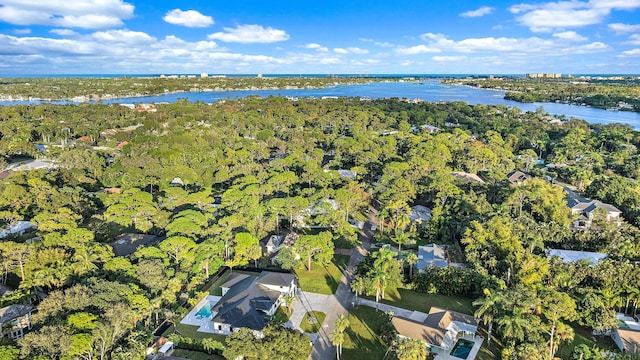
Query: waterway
(431,90)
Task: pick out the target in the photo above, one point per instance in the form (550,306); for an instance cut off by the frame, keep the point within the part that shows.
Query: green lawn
(322,280)
(312,321)
(362,340)
(413,300)
(195,355)
(489,352)
(192,332)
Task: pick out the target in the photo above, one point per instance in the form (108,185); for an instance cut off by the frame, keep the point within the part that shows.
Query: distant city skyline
(346,37)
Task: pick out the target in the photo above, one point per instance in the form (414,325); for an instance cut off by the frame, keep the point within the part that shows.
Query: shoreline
(506,92)
(88,98)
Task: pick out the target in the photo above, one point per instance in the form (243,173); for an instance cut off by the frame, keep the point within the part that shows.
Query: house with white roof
(569,256)
(420,213)
(17,229)
(439,331)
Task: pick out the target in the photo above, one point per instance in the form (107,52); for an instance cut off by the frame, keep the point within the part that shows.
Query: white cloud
(449,58)
(88,14)
(633,40)
(377,43)
(497,27)
(406,63)
(545,17)
(188,18)
(570,36)
(63,32)
(22,31)
(485,10)
(38,46)
(630,53)
(250,34)
(621,28)
(316,47)
(357,50)
(124,37)
(550,47)
(415,50)
(351,50)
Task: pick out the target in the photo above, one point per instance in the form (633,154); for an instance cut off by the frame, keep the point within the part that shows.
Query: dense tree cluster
(210,180)
(603,94)
(83,89)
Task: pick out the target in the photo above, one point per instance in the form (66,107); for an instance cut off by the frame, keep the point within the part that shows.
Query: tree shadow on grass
(362,340)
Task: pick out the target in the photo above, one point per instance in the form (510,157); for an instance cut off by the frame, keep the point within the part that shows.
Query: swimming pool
(462,348)
(205,311)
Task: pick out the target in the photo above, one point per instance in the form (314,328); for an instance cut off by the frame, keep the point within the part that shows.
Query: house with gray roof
(249,300)
(439,331)
(585,211)
(15,320)
(420,214)
(431,254)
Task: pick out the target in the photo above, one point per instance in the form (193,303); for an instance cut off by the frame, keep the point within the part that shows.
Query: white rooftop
(18,228)
(569,256)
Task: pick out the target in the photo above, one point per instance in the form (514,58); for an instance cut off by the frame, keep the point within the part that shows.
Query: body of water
(430,90)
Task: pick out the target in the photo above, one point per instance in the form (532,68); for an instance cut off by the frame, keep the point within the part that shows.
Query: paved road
(344,299)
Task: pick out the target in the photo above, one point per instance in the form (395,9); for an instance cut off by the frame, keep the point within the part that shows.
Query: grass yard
(362,340)
(312,321)
(195,355)
(489,352)
(191,331)
(322,280)
(413,300)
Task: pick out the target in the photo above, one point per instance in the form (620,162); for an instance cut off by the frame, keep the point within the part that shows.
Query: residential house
(273,244)
(420,213)
(467,177)
(15,320)
(431,254)
(517,177)
(345,174)
(439,331)
(127,244)
(166,349)
(249,300)
(17,229)
(586,210)
(627,335)
(176,182)
(569,256)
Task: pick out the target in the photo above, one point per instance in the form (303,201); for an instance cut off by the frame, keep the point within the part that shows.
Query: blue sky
(298,37)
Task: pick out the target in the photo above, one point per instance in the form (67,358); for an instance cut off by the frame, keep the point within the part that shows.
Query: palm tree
(488,309)
(288,300)
(337,338)
(411,259)
(358,285)
(337,335)
(342,322)
(514,325)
